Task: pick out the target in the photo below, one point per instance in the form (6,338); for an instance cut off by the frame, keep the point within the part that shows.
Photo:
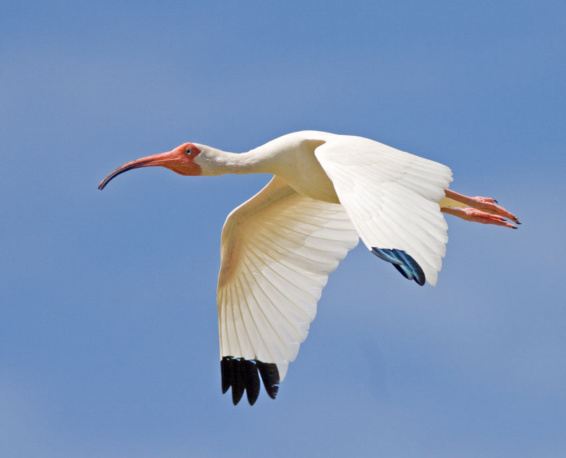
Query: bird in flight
(278,248)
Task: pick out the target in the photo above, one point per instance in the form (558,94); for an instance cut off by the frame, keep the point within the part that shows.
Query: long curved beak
(149,161)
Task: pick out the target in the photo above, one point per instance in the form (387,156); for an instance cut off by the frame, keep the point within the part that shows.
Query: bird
(277,249)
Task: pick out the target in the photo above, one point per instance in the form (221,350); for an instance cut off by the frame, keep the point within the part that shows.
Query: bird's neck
(213,161)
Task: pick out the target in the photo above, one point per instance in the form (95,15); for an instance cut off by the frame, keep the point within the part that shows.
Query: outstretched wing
(277,251)
(392,199)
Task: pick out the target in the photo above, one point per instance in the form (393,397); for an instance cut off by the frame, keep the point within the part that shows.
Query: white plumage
(279,247)
(391,197)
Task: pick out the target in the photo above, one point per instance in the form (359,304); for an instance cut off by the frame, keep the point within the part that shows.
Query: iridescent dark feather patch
(403,262)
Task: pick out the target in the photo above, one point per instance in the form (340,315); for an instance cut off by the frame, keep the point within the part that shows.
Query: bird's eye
(188,151)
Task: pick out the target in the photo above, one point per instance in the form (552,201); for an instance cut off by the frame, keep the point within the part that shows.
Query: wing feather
(391,197)
(276,253)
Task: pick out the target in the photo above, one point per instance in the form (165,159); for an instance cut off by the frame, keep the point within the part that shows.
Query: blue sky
(108,327)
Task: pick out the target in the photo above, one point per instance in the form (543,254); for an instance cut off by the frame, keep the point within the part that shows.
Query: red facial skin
(180,160)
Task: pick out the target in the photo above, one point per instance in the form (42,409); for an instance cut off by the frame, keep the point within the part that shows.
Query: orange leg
(480,210)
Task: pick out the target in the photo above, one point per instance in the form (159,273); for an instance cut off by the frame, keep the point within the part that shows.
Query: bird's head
(181,160)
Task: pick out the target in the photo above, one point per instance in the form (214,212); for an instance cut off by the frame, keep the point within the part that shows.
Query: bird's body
(278,248)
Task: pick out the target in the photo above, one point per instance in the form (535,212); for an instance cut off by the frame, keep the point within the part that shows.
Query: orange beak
(172,160)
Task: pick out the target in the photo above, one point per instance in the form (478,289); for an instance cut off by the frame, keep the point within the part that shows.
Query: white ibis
(278,248)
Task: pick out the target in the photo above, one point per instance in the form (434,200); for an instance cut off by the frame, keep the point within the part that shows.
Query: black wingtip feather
(239,383)
(252,381)
(270,376)
(403,262)
(227,373)
(242,375)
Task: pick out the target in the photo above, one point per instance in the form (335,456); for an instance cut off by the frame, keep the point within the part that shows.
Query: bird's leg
(477,216)
(477,209)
